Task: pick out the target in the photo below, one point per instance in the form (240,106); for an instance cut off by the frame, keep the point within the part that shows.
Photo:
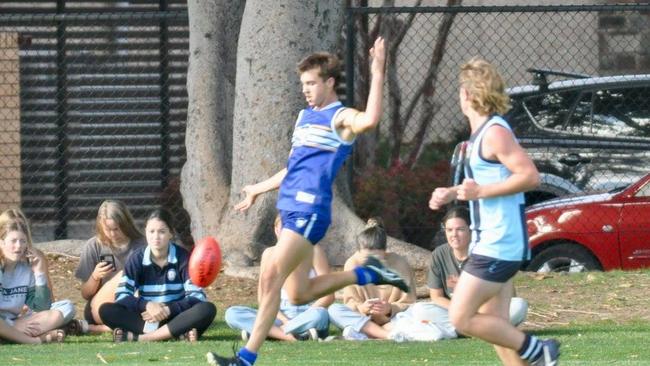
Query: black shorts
(491,269)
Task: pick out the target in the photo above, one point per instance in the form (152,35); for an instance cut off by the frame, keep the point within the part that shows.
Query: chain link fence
(585,134)
(93,106)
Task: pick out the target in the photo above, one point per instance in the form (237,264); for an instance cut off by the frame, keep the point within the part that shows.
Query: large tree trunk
(274,36)
(250,136)
(205,179)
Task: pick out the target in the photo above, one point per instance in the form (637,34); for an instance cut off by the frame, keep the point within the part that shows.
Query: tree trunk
(274,37)
(205,178)
(239,133)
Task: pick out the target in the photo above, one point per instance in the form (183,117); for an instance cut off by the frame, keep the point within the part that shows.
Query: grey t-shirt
(90,257)
(444,270)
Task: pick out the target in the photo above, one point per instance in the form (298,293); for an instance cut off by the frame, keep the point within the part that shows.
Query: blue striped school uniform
(498,224)
(170,285)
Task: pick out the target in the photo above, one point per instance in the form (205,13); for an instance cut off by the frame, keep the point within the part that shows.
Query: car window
(622,112)
(551,111)
(644,191)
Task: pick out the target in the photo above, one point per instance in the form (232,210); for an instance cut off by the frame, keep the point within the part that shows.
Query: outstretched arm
(355,122)
(252,191)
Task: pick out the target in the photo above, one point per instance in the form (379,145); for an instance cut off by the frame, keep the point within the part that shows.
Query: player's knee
(299,298)
(459,320)
(270,280)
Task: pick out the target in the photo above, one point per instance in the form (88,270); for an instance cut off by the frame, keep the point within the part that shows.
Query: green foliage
(401,195)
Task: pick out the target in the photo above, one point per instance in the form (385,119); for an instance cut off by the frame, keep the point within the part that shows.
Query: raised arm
(354,122)
(252,191)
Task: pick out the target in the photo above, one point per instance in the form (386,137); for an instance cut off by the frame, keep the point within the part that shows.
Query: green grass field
(600,318)
(596,344)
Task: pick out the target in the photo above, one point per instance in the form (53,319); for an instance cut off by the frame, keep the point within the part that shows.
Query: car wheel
(564,257)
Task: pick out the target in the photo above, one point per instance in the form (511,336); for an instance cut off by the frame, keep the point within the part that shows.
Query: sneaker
(244,335)
(386,275)
(352,335)
(550,353)
(216,360)
(310,335)
(329,338)
(313,334)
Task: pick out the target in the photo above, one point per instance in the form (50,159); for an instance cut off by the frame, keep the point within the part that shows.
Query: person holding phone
(368,311)
(27,313)
(103,258)
(169,305)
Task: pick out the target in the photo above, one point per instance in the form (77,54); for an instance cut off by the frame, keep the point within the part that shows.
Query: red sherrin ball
(205,261)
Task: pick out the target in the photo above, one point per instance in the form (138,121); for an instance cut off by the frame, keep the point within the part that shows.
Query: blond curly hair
(485,87)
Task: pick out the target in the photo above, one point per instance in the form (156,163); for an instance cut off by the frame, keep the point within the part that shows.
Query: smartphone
(108,258)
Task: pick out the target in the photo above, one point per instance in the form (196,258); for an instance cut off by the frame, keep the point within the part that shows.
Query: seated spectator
(116,237)
(27,314)
(169,305)
(446,265)
(293,322)
(368,310)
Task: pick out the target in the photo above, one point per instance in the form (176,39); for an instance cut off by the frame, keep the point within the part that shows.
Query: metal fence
(93,107)
(586,135)
(93,104)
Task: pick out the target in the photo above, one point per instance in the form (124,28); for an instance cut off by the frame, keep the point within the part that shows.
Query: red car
(601,231)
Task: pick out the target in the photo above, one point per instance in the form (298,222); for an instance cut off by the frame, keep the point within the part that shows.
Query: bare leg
(11,334)
(469,295)
(293,253)
(105,294)
(159,334)
(47,320)
(278,333)
(500,306)
(301,289)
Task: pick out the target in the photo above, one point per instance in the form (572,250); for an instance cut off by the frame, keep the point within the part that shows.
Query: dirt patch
(554,299)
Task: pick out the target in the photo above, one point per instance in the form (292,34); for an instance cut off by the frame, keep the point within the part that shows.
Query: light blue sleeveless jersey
(498,223)
(318,152)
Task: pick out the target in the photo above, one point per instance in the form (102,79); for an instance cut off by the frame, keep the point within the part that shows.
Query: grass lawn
(601,318)
(596,344)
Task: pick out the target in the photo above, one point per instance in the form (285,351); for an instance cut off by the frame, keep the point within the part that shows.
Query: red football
(205,261)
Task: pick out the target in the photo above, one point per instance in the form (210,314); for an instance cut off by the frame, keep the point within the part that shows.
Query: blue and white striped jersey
(170,285)
(318,152)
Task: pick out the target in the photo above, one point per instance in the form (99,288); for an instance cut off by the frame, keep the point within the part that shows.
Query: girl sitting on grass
(27,314)
(169,304)
(116,238)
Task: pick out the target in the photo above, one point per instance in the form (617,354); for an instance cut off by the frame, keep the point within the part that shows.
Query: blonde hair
(485,87)
(13,220)
(373,236)
(116,211)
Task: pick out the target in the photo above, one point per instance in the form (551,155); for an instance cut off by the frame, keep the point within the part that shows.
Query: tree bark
(239,128)
(205,178)
(274,37)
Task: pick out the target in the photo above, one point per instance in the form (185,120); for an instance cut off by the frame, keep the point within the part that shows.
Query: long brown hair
(116,211)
